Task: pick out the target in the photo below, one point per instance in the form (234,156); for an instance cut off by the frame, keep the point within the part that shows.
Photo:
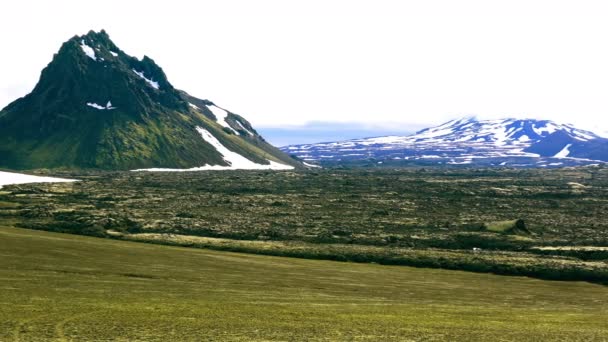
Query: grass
(501,226)
(66,287)
(564,267)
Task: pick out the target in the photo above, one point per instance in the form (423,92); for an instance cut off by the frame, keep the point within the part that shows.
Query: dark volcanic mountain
(526,143)
(97,107)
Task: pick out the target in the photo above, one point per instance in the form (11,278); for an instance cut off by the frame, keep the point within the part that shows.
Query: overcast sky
(393,64)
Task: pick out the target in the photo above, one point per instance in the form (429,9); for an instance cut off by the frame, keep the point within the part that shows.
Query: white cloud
(285,63)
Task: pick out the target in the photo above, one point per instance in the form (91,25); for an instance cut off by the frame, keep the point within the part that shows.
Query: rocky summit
(97,107)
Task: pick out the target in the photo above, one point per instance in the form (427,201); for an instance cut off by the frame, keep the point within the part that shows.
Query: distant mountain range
(97,107)
(468,141)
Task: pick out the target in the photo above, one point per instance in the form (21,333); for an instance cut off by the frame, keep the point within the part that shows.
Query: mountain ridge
(511,141)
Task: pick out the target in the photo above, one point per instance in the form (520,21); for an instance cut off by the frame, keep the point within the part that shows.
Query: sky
(377,65)
(323,131)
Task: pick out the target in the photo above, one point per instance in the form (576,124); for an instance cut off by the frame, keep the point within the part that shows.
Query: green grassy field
(66,287)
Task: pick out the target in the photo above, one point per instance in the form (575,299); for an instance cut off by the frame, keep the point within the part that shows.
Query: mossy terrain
(59,287)
(509,226)
(499,221)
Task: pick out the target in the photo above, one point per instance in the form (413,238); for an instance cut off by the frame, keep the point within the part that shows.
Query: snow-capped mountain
(97,107)
(513,142)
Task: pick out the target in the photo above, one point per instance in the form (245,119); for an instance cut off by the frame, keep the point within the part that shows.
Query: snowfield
(8,178)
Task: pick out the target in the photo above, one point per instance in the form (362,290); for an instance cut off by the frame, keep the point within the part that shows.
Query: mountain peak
(96,106)
(465,119)
(502,131)
(101,35)
(93,42)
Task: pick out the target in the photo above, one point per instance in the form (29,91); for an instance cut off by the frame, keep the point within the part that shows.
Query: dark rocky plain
(548,224)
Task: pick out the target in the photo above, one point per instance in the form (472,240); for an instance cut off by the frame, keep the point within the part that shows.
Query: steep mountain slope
(471,141)
(97,107)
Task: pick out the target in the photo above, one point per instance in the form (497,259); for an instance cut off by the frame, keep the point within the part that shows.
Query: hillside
(97,107)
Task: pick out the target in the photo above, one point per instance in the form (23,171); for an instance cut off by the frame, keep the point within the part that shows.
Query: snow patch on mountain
(152,83)
(108,106)
(243,127)
(88,50)
(95,105)
(564,152)
(113,53)
(312,165)
(221,116)
(549,128)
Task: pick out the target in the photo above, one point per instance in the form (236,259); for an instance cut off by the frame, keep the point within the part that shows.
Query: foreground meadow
(67,287)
